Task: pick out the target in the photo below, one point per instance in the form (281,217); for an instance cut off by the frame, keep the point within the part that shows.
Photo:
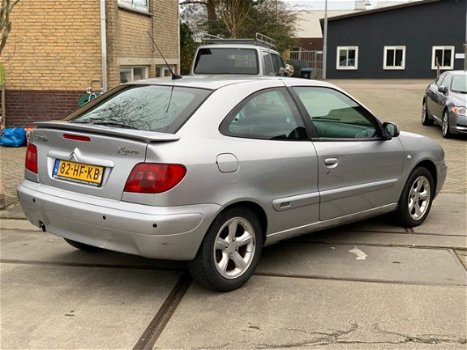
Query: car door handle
(331,163)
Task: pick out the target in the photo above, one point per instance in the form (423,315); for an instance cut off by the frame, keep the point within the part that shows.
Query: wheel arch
(431,167)
(255,208)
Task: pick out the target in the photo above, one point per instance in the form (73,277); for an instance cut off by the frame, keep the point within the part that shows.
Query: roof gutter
(103,45)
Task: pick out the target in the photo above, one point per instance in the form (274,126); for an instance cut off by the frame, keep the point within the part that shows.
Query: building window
(347,57)
(442,56)
(142,5)
(162,71)
(133,73)
(394,57)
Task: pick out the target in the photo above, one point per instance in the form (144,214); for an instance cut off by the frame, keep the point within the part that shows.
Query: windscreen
(226,61)
(145,107)
(459,83)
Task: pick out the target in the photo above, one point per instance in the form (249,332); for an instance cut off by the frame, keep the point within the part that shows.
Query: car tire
(426,119)
(416,198)
(230,251)
(445,126)
(82,246)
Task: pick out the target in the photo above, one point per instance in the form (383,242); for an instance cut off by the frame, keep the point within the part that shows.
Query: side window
(440,79)
(268,68)
(269,114)
(446,81)
(335,115)
(277,63)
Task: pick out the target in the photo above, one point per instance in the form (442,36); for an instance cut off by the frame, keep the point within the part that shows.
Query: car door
(358,170)
(277,164)
(434,96)
(440,100)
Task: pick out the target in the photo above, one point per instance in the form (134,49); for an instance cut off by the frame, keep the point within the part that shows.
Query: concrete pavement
(370,285)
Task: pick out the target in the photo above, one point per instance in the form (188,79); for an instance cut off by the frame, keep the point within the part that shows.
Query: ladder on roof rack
(266,40)
(260,39)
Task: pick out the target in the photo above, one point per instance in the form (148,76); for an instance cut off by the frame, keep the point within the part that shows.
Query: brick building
(57,47)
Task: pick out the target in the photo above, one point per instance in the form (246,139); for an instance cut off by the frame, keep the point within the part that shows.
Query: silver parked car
(445,103)
(211,169)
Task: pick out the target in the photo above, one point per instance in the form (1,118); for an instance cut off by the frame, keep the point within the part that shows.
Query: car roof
(457,72)
(218,81)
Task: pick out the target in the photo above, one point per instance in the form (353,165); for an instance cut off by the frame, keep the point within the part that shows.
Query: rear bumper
(173,233)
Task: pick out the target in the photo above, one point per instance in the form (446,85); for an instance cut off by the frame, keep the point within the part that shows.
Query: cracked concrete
(295,313)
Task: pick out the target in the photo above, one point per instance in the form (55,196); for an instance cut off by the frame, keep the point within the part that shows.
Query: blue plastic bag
(13,137)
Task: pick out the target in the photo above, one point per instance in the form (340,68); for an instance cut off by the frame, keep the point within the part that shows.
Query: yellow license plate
(78,172)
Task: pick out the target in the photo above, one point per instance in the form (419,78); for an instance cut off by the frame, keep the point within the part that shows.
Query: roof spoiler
(139,135)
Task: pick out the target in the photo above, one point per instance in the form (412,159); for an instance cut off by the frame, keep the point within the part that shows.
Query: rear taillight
(154,178)
(30,161)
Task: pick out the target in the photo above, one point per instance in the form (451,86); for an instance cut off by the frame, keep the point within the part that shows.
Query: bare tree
(234,14)
(5,23)
(210,7)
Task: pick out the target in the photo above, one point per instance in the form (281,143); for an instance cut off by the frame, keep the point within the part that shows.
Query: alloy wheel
(234,247)
(419,198)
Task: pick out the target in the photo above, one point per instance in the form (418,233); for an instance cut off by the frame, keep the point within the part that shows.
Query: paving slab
(276,312)
(60,307)
(17,224)
(339,236)
(448,216)
(363,262)
(42,247)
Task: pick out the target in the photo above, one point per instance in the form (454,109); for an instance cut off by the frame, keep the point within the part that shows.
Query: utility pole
(325,38)
(465,42)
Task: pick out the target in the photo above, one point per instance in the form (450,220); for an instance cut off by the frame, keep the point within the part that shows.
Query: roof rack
(260,40)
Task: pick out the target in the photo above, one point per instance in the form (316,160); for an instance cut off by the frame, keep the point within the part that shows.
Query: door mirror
(443,89)
(390,130)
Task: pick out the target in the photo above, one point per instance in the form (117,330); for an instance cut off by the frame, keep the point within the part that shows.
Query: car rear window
(145,107)
(226,61)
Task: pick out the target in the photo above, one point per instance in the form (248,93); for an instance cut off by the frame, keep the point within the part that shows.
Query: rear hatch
(95,149)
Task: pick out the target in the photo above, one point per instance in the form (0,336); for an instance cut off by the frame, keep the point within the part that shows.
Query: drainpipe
(103,46)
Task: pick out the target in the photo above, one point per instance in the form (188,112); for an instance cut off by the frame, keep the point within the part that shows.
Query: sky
(333,4)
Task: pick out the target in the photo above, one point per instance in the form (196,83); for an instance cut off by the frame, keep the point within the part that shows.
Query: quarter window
(442,56)
(394,57)
(347,57)
(142,5)
(335,115)
(268,115)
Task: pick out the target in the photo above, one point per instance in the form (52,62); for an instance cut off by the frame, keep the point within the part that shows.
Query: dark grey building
(402,41)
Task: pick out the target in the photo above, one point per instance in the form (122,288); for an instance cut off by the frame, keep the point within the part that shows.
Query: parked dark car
(445,103)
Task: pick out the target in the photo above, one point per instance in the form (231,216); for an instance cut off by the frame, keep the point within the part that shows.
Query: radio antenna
(174,76)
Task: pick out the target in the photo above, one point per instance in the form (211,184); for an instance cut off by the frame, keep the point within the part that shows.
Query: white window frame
(130,4)
(338,66)
(394,48)
(444,48)
(131,69)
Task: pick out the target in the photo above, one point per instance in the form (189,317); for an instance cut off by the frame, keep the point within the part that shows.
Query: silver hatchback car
(211,169)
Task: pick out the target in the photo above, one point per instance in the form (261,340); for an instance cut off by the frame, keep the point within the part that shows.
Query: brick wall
(130,44)
(54,45)
(27,106)
(54,51)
